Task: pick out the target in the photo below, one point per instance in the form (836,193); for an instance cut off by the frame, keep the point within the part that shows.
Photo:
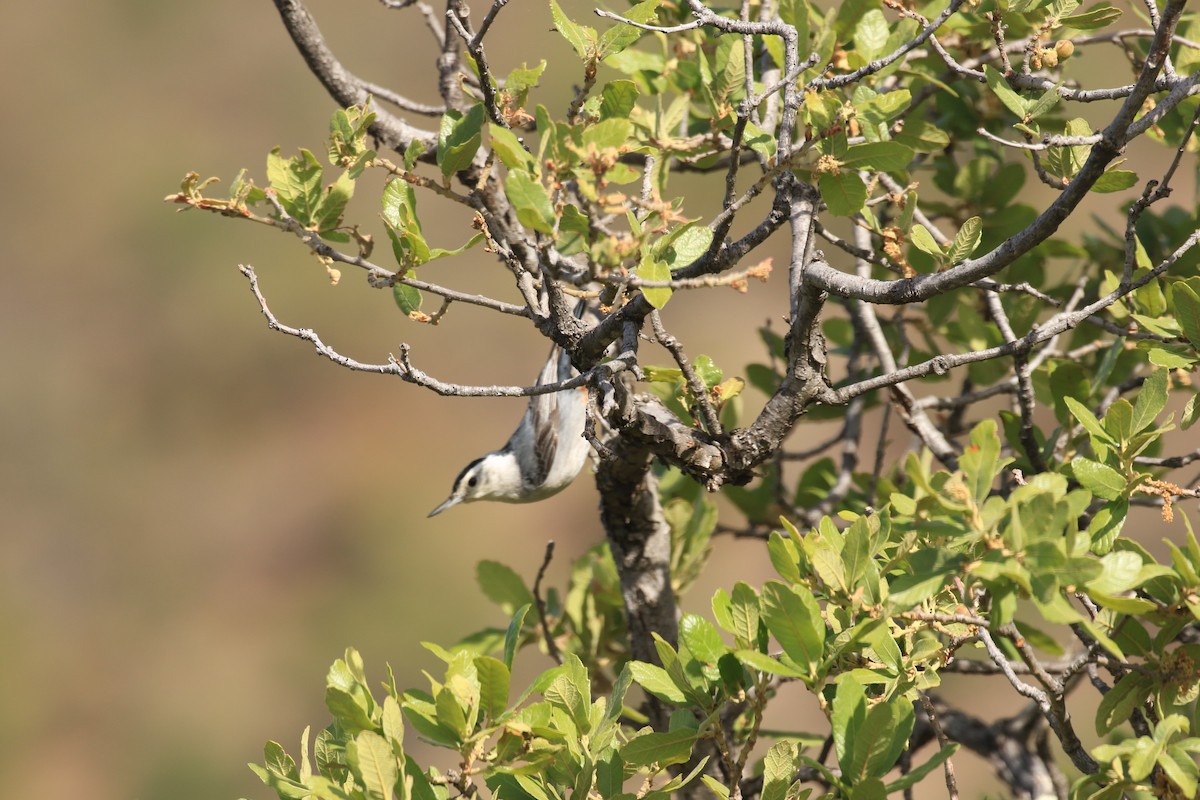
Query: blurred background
(198,514)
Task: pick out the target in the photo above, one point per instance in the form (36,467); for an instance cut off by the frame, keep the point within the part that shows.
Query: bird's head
(495,476)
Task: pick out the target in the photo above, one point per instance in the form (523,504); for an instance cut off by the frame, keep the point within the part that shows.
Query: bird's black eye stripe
(473,479)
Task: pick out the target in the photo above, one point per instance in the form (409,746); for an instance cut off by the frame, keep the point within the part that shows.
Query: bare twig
(404,369)
(547,636)
(948,765)
(696,386)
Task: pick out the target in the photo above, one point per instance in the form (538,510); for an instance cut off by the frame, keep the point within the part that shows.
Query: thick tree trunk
(640,540)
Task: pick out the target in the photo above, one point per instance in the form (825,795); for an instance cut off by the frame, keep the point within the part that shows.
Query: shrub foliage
(916,161)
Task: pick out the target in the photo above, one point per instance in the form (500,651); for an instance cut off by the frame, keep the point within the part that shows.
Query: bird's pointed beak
(449,502)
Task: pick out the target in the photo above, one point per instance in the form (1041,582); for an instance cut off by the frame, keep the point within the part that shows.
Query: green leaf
(868,789)
(664,749)
(1099,479)
(1047,101)
(493,686)
(520,81)
(965,241)
(752,659)
(999,86)
(848,15)
(621,35)
(730,70)
(931,569)
(779,765)
(1145,755)
(580,37)
(459,138)
(884,737)
(280,774)
(513,635)
(871,34)
(745,613)
(348,136)
(616,697)
(415,149)
(1162,326)
(923,240)
(1171,358)
(1119,421)
(794,618)
(721,605)
(668,789)
(1115,180)
(922,136)
(531,201)
(278,762)
(760,141)
(450,714)
(347,710)
(652,269)
(1074,156)
(1120,572)
(720,790)
(701,638)
(823,548)
(708,372)
(1106,525)
(399,204)
(981,462)
(508,147)
(421,789)
(880,156)
(655,680)
(617,99)
(848,717)
(333,203)
(784,556)
(404,228)
(370,758)
(1187,311)
(1191,412)
(1096,17)
(502,586)
(393,724)
(297,184)
(408,298)
(439,252)
(686,244)
(1151,400)
(1180,767)
(564,693)
(1088,420)
(881,108)
(609,134)
(655,374)
(843,193)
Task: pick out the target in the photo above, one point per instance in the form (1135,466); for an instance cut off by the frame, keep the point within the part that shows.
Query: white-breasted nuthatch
(544,454)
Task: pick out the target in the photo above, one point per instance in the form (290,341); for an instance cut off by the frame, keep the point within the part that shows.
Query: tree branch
(346,88)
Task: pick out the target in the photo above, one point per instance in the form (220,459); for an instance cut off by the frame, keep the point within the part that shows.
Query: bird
(544,454)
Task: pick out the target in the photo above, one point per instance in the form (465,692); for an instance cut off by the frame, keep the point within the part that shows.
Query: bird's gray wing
(543,418)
